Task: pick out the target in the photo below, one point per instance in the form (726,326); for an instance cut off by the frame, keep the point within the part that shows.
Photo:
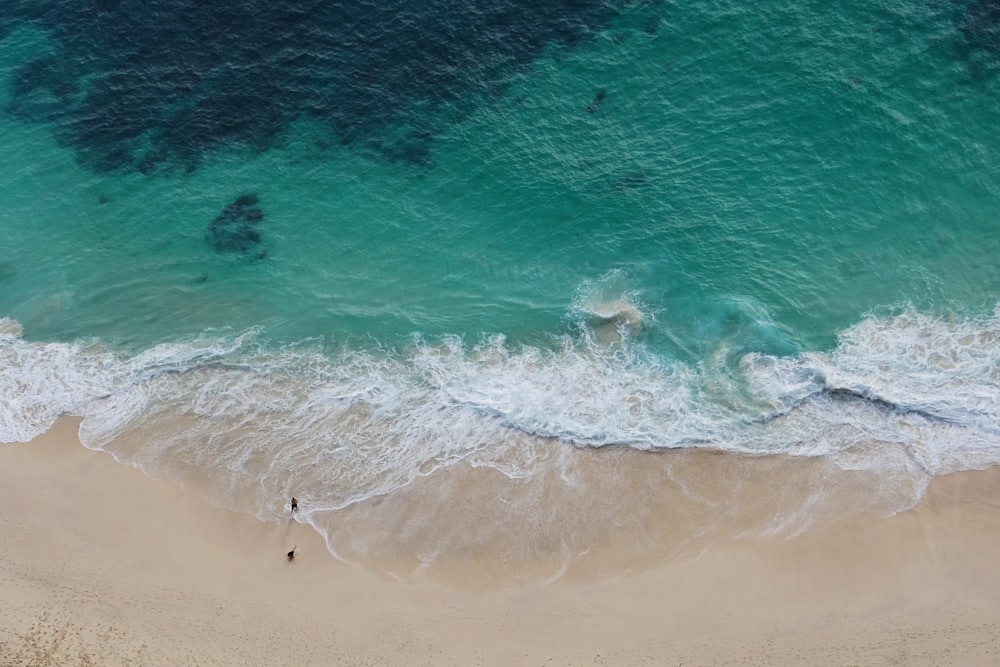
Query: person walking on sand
(291,554)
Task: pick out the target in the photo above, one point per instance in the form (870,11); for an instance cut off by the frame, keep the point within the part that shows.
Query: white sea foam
(39,382)
(905,396)
(928,383)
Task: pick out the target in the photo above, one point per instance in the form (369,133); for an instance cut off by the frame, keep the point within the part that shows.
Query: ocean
(569,287)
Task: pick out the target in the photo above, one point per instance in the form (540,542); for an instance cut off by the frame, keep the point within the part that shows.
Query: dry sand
(100,564)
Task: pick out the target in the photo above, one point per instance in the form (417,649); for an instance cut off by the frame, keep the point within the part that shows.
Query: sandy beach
(101,564)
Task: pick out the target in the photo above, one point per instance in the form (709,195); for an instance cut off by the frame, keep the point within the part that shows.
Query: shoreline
(102,563)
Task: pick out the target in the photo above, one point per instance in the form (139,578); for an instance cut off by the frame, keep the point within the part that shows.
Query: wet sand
(101,564)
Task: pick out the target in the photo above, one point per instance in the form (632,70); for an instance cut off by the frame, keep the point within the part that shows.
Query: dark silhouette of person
(291,554)
(295,504)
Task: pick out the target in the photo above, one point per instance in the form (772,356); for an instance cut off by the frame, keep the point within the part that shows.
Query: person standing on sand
(294,506)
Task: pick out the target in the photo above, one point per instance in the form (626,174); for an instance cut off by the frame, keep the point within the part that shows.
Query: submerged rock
(633,180)
(595,103)
(235,228)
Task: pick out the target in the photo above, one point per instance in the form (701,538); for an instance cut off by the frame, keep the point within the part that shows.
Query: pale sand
(100,564)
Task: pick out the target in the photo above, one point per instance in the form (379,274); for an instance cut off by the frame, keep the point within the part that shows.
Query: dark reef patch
(978,24)
(235,229)
(142,86)
(42,88)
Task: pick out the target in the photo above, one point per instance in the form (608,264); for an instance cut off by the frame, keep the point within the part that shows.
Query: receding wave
(902,397)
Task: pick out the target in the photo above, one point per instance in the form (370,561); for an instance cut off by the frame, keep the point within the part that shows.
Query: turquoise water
(759,230)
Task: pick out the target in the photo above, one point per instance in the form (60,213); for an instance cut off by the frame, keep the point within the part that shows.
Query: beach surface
(101,564)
